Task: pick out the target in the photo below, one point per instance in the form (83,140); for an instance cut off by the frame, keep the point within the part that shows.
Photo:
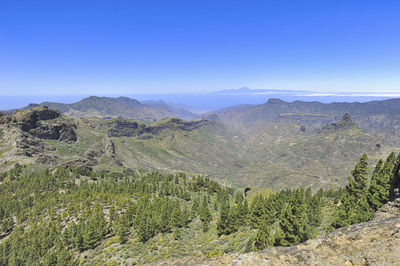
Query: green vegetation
(3,150)
(284,153)
(66,216)
(361,197)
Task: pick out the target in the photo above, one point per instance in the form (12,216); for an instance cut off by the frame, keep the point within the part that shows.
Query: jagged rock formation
(372,243)
(23,132)
(31,121)
(27,119)
(105,147)
(344,123)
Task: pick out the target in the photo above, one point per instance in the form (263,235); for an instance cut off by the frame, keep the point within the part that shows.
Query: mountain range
(115,180)
(121,107)
(277,144)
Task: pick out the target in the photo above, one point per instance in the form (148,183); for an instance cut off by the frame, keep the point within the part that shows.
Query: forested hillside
(69,215)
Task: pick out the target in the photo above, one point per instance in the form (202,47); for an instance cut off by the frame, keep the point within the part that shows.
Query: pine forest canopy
(66,212)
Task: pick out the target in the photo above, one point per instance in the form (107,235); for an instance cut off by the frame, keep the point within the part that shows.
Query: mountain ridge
(120,107)
(272,157)
(250,118)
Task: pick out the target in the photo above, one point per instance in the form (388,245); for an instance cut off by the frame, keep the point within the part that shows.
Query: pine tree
(243,213)
(257,211)
(354,207)
(144,223)
(195,208)
(341,215)
(224,223)
(185,216)
(205,214)
(112,215)
(358,182)
(163,215)
(78,237)
(90,235)
(249,245)
(314,211)
(294,221)
(122,229)
(130,212)
(264,238)
(361,213)
(176,216)
(286,234)
(378,193)
(280,238)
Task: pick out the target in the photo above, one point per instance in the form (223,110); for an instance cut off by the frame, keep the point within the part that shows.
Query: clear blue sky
(98,47)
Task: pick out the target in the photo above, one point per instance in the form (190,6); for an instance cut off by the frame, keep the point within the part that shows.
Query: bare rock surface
(346,122)
(32,122)
(376,242)
(23,133)
(130,128)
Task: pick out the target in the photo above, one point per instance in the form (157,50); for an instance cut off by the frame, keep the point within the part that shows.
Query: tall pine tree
(378,193)
(264,238)
(354,207)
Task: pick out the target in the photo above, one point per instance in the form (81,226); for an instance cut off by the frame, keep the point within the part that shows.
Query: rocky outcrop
(346,122)
(28,146)
(130,128)
(63,132)
(106,147)
(31,121)
(376,242)
(28,119)
(25,130)
(46,159)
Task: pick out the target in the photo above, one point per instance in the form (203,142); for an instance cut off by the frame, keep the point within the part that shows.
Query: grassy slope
(210,149)
(278,156)
(284,156)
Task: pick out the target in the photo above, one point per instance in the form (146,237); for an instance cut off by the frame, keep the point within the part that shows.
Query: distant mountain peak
(121,106)
(128,101)
(92,97)
(275,101)
(32,105)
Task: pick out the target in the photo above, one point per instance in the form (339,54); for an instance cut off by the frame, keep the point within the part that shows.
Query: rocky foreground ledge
(376,242)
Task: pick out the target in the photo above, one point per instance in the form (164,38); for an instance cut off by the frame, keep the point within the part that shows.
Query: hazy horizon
(206,101)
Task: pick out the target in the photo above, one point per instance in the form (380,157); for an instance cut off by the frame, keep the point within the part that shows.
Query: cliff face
(346,122)
(32,122)
(129,128)
(24,133)
(371,243)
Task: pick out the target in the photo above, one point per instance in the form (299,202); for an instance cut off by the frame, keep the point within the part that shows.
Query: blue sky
(60,47)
